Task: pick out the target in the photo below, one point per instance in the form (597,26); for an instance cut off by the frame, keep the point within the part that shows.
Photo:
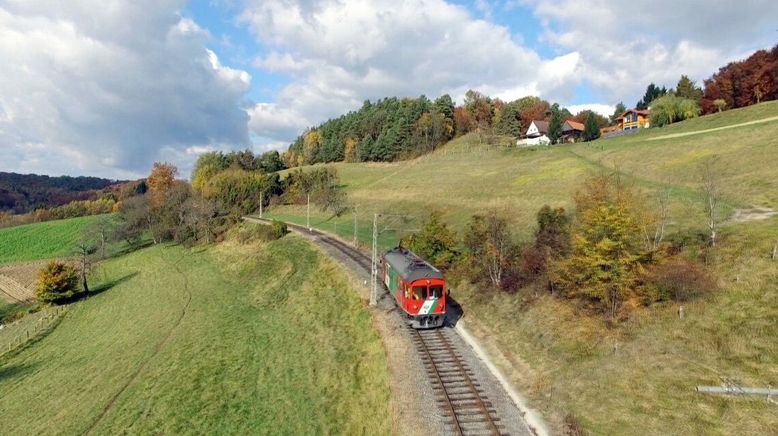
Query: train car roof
(410,266)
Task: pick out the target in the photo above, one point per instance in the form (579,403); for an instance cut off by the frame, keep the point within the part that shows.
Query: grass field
(41,240)
(226,340)
(638,377)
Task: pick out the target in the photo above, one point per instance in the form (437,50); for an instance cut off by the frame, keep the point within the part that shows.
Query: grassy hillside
(227,340)
(41,240)
(464,178)
(640,376)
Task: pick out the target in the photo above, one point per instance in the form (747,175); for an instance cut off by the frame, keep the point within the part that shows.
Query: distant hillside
(20,193)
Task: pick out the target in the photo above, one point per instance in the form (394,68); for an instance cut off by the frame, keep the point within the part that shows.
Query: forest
(21,193)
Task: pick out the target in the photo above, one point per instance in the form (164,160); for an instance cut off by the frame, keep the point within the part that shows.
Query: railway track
(468,410)
(458,393)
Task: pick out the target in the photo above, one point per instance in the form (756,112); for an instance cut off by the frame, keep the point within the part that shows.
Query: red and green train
(418,287)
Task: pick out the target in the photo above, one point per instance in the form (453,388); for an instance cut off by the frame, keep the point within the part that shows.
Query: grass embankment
(638,377)
(41,240)
(233,339)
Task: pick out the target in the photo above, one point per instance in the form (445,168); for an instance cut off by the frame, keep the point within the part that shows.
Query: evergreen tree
(652,93)
(591,129)
(620,109)
(509,122)
(555,125)
(687,89)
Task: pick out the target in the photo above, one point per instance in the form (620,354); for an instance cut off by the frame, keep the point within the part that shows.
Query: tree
(591,129)
(434,242)
(57,281)
(351,150)
(84,248)
(509,121)
(311,145)
(743,83)
(686,88)
(720,104)
(652,93)
(671,108)
(491,251)
(555,125)
(620,109)
(709,169)
(270,162)
(134,220)
(160,181)
(102,230)
(607,249)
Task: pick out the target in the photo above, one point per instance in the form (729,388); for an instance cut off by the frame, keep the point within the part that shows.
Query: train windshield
(436,291)
(419,293)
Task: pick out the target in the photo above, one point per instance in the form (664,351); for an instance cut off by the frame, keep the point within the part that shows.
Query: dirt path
(714,129)
(157,349)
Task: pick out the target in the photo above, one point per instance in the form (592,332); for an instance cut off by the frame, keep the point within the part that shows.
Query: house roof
(541,125)
(573,125)
(643,112)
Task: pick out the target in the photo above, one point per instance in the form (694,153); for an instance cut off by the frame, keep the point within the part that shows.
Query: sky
(107,87)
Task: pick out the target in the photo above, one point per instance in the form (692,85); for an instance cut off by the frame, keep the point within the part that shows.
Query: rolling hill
(639,376)
(21,193)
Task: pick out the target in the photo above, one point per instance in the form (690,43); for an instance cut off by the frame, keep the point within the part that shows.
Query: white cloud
(341,52)
(624,47)
(605,110)
(107,87)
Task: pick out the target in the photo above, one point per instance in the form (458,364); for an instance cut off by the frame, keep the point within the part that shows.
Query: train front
(425,303)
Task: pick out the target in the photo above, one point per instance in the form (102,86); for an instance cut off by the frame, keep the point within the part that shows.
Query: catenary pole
(374,266)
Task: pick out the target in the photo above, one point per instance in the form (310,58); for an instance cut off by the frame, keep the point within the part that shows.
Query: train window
(419,292)
(436,291)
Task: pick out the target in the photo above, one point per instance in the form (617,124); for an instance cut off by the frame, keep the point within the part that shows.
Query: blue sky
(107,87)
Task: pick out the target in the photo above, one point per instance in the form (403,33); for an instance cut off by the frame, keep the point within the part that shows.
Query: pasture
(639,376)
(41,240)
(232,339)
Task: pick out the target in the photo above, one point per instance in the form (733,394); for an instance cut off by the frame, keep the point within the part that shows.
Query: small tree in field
(720,104)
(712,189)
(491,249)
(56,281)
(607,247)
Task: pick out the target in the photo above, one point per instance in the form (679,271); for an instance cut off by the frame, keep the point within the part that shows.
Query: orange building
(633,119)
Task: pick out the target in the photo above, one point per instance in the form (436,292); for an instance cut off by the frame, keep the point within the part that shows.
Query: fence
(16,335)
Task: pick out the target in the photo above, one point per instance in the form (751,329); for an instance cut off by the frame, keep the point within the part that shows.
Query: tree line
(169,209)
(393,128)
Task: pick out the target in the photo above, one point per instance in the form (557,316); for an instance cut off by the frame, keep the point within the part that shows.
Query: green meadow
(232,339)
(41,240)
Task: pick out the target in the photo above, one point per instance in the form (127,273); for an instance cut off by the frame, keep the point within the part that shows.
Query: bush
(679,280)
(57,281)
(248,233)
(435,242)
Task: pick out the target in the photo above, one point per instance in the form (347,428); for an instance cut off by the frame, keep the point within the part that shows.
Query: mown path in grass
(233,339)
(714,129)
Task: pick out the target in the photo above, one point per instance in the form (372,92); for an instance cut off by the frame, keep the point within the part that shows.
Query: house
(572,131)
(536,134)
(633,119)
